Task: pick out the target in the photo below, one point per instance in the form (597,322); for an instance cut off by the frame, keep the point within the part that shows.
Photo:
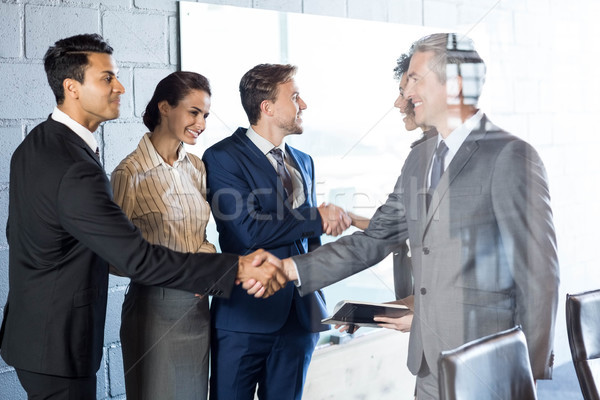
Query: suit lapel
(75,139)
(299,165)
(422,176)
(258,162)
(458,163)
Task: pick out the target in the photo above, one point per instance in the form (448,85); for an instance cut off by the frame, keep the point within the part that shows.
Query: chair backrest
(583,330)
(494,367)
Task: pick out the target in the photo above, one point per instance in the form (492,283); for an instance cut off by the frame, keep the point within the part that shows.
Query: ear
(163,107)
(71,88)
(454,86)
(266,107)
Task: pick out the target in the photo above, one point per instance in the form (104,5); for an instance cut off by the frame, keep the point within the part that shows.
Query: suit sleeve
(238,211)
(86,210)
(351,254)
(521,202)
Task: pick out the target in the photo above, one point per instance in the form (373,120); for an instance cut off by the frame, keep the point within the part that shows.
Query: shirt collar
(458,136)
(263,144)
(150,157)
(80,130)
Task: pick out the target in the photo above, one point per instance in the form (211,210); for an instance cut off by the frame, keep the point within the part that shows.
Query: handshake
(335,219)
(262,274)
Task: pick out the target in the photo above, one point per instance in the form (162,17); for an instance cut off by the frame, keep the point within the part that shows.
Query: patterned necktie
(437,169)
(282,171)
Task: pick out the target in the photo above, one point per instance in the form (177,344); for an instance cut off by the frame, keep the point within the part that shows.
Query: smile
(193,133)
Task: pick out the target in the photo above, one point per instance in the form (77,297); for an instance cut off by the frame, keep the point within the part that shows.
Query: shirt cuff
(297,282)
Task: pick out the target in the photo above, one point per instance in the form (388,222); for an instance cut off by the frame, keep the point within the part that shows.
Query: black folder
(361,313)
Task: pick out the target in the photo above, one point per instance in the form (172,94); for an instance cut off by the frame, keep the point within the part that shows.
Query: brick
(113,316)
(238,3)
(118,281)
(116,376)
(173,41)
(10,388)
(10,30)
(405,12)
(112,4)
(333,8)
(101,386)
(144,83)
(10,138)
(3,366)
(120,140)
(45,25)
(30,95)
(3,276)
(125,77)
(280,5)
(156,5)
(137,37)
(374,10)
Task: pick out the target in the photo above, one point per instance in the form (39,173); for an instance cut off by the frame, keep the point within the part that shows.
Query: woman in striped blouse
(165,333)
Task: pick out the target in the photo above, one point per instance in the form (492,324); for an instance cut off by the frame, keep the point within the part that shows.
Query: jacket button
(425,250)
(423,291)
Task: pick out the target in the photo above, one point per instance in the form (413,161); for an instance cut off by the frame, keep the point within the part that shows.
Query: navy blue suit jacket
(246,196)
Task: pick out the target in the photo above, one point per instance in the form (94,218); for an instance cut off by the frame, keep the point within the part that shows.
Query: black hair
(68,59)
(173,89)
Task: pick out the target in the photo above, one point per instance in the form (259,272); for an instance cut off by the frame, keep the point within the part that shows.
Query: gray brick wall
(548,98)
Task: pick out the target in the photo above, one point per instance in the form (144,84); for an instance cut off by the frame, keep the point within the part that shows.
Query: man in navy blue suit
(262,194)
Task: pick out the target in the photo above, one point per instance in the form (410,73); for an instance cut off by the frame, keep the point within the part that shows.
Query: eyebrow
(199,109)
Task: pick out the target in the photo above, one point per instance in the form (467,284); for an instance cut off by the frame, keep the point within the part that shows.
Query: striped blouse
(166,202)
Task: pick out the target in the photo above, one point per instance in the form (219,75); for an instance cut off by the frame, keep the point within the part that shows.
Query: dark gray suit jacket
(63,231)
(484,255)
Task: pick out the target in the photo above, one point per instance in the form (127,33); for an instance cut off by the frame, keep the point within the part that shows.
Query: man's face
(405,106)
(99,94)
(426,92)
(288,108)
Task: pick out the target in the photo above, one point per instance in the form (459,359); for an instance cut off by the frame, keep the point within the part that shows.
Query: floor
(563,386)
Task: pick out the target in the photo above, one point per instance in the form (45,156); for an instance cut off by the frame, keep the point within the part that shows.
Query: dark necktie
(437,169)
(283,172)
(97,152)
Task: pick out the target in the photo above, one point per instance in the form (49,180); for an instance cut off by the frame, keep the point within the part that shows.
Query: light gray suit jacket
(484,255)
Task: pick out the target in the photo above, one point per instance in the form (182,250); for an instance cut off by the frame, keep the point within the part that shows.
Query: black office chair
(495,367)
(583,330)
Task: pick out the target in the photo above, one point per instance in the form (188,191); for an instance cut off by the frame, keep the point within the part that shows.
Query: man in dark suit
(262,194)
(475,204)
(64,229)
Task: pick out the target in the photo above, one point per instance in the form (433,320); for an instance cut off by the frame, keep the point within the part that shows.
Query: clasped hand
(335,219)
(261,274)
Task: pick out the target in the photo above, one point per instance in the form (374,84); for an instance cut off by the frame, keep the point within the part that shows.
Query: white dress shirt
(265,147)
(76,127)
(455,140)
